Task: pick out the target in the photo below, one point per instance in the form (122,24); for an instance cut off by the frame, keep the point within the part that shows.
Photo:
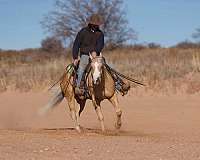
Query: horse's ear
(100,54)
(90,56)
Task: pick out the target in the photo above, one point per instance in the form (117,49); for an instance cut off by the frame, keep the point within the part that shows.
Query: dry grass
(162,70)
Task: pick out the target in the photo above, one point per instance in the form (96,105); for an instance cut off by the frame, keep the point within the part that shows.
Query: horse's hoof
(118,125)
(81,127)
(103,129)
(78,129)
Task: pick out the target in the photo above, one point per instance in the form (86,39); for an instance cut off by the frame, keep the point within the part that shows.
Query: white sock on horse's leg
(74,115)
(118,111)
(75,120)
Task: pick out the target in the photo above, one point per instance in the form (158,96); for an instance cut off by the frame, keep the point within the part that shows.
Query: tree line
(69,16)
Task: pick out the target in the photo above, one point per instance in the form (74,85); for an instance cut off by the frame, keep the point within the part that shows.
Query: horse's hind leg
(115,103)
(74,114)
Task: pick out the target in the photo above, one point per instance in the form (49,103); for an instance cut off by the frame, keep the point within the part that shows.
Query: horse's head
(96,68)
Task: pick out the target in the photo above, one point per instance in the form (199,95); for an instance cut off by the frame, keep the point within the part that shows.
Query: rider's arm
(76,46)
(100,44)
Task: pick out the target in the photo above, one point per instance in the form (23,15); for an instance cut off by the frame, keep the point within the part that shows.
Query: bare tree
(69,16)
(153,45)
(52,45)
(187,44)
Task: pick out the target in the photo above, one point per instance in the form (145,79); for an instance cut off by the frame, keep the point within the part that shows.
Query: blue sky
(162,21)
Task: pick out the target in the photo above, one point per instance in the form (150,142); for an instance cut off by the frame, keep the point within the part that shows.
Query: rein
(113,71)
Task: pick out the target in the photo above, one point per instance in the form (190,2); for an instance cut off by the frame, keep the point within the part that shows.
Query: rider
(89,40)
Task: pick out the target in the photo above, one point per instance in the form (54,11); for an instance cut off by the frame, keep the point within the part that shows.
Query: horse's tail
(54,101)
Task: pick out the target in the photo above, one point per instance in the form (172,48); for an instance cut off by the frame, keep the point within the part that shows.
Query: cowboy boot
(80,90)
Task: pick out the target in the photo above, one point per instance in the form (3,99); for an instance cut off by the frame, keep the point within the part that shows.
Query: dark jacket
(88,41)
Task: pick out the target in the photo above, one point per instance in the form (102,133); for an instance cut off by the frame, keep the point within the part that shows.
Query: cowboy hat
(95,19)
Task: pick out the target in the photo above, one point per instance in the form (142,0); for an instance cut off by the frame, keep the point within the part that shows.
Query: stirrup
(126,87)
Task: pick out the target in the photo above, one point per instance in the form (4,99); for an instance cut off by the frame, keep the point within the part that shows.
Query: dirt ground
(154,128)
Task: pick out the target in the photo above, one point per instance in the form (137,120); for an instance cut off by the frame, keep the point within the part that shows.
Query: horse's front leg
(115,103)
(99,113)
(74,114)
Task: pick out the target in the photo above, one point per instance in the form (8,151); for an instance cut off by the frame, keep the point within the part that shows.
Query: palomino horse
(100,85)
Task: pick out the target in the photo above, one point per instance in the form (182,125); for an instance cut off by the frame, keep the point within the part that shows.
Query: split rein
(113,71)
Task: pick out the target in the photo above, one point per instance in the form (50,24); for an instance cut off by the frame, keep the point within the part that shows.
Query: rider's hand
(93,54)
(75,62)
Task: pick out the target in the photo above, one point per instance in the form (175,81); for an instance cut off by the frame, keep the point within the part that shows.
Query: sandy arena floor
(154,128)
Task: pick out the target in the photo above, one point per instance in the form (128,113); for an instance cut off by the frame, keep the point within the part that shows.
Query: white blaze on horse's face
(97,72)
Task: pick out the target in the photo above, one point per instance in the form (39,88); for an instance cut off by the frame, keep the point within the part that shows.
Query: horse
(101,86)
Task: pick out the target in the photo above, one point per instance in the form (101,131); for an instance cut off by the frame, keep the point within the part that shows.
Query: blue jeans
(81,69)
